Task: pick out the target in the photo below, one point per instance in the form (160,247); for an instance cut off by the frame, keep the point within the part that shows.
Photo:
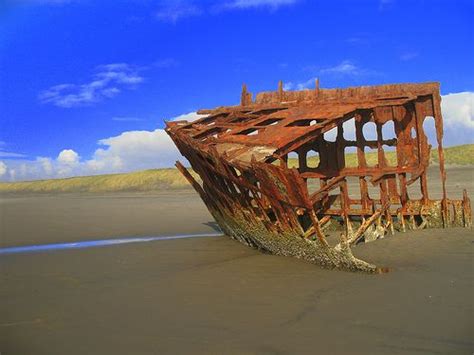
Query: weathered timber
(242,155)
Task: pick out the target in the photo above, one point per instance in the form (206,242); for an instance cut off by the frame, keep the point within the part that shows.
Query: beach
(212,295)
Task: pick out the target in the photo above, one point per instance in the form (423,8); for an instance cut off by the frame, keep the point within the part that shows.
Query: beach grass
(146,180)
(162,179)
(457,155)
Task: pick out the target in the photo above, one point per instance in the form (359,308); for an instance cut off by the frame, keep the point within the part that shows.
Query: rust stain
(241,154)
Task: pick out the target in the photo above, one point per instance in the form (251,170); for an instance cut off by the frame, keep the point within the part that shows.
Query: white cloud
(129,151)
(134,150)
(173,11)
(4,154)
(68,157)
(126,119)
(346,67)
(191,116)
(310,83)
(408,56)
(166,63)
(3,168)
(247,4)
(47,2)
(46,165)
(107,82)
(458,110)
(359,40)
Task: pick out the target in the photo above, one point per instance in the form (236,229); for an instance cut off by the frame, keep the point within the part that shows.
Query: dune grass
(164,179)
(458,155)
(147,180)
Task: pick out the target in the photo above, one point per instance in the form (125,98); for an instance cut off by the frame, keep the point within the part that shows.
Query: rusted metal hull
(241,155)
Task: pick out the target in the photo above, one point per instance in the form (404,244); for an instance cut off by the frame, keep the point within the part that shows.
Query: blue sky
(85,85)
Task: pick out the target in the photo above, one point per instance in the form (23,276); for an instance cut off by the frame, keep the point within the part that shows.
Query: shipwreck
(275,171)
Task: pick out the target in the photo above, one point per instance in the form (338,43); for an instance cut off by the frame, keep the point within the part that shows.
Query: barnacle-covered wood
(241,154)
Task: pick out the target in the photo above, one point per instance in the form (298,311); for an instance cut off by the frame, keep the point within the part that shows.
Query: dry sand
(215,296)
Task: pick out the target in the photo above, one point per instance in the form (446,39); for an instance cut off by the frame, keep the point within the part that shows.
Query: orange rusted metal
(264,199)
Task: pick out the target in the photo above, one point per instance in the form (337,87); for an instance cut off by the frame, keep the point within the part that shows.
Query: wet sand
(214,295)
